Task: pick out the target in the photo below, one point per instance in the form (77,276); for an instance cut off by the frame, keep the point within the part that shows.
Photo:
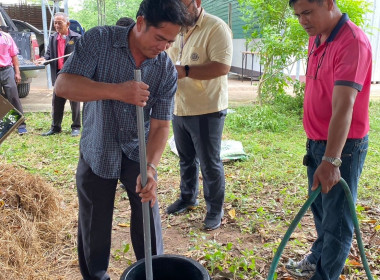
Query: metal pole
(46,42)
(66,7)
(56,8)
(298,70)
(143,173)
(230,15)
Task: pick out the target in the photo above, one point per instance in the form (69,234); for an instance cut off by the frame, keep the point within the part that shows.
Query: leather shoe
(75,132)
(50,132)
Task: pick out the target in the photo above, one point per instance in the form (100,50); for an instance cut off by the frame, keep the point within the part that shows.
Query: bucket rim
(167,256)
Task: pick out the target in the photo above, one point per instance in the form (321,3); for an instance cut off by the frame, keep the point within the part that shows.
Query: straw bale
(29,193)
(34,227)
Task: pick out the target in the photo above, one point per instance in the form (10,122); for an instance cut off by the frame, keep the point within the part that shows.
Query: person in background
(61,43)
(336,122)
(101,74)
(203,56)
(10,74)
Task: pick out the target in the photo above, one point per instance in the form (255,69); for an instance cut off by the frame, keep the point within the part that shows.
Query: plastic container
(168,267)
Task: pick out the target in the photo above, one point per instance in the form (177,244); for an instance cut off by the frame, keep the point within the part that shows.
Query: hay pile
(36,228)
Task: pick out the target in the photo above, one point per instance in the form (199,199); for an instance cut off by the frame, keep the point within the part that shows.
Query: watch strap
(187,68)
(334,161)
(151,165)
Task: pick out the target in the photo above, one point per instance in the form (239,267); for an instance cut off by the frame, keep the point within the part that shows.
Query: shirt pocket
(197,55)
(70,46)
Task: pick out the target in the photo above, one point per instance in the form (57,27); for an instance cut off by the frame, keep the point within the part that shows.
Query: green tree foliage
(87,14)
(275,33)
(356,10)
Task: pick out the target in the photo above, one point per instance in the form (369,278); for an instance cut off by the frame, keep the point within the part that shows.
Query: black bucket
(168,267)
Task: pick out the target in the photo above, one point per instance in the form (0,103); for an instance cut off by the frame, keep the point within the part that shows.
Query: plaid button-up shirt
(109,126)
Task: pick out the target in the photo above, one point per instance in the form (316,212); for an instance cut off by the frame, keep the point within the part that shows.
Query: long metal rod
(143,173)
(50,60)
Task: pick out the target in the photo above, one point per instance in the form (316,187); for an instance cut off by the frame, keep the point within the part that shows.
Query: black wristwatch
(187,68)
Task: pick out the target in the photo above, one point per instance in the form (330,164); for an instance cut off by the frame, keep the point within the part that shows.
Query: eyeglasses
(320,60)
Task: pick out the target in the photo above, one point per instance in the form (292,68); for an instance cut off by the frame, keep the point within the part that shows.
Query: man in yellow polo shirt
(202,55)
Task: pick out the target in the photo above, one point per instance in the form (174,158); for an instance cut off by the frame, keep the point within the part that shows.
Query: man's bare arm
(79,88)
(16,68)
(342,108)
(158,135)
(207,71)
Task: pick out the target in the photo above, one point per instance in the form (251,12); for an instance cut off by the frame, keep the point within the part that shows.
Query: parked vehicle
(28,52)
(24,26)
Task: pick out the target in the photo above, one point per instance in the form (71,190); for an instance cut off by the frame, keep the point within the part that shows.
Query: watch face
(334,161)
(337,162)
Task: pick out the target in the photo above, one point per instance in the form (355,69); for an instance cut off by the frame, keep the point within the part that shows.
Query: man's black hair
(125,21)
(292,2)
(155,12)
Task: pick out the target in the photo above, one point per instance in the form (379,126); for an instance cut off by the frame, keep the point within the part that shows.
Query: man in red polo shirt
(338,79)
(61,43)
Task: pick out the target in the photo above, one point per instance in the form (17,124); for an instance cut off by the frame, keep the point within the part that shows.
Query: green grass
(54,158)
(265,190)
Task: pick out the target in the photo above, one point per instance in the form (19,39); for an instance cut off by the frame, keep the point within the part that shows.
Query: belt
(325,141)
(318,141)
(5,67)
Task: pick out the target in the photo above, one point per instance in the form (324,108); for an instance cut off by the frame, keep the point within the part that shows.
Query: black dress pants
(96,197)
(58,104)
(198,141)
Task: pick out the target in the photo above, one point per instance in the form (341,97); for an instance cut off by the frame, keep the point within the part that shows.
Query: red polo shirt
(61,44)
(345,58)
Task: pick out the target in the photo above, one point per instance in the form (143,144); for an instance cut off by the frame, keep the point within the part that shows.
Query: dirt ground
(177,230)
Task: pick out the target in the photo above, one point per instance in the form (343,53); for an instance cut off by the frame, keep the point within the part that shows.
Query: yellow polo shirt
(209,40)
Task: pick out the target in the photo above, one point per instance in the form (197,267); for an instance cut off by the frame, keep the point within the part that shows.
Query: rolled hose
(302,212)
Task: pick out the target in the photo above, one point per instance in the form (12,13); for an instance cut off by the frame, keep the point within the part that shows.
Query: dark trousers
(96,197)
(58,104)
(8,83)
(198,141)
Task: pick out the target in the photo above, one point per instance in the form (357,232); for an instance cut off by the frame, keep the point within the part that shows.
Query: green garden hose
(300,214)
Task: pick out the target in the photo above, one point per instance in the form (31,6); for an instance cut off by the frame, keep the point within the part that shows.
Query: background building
(249,64)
